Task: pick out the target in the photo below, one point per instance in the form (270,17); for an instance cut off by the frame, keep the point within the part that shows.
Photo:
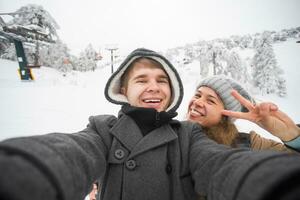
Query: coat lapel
(157,137)
(127,132)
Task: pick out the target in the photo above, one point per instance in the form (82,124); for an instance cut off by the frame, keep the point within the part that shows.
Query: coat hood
(113,85)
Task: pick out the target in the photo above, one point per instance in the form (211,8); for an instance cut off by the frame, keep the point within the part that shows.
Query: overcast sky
(160,24)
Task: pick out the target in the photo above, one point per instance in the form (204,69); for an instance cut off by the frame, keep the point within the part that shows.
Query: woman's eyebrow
(211,96)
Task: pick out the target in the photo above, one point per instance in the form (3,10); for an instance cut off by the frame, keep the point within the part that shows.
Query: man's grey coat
(173,162)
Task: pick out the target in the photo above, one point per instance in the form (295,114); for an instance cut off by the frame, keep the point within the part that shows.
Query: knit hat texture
(113,85)
(223,86)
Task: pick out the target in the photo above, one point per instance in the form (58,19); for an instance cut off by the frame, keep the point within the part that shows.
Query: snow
(287,55)
(57,103)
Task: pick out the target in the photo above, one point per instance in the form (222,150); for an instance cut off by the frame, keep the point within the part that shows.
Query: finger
(273,107)
(266,109)
(237,115)
(245,102)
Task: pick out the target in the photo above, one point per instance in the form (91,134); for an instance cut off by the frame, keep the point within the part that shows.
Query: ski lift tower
(18,34)
(112,48)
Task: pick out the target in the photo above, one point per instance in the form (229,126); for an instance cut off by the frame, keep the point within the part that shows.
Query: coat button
(119,154)
(131,164)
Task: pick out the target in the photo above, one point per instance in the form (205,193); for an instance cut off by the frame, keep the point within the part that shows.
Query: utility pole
(112,49)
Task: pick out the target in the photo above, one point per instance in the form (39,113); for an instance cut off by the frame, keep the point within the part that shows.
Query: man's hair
(145,60)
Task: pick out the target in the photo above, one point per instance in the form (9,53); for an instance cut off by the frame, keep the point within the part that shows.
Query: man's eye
(141,81)
(163,81)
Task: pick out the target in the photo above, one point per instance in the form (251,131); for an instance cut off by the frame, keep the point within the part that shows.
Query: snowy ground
(53,103)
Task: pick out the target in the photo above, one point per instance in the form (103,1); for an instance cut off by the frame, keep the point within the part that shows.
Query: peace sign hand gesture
(268,116)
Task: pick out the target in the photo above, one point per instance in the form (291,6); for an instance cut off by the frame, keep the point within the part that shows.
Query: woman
(218,100)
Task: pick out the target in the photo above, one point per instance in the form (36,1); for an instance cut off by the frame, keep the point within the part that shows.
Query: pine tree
(9,53)
(236,69)
(266,72)
(54,56)
(87,59)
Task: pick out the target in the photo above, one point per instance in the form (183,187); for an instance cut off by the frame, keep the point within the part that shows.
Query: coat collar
(128,133)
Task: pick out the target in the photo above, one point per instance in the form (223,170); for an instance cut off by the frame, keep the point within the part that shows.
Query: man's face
(148,86)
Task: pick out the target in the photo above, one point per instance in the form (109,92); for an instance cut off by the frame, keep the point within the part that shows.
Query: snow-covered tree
(246,41)
(4,44)
(189,54)
(172,54)
(279,37)
(266,72)
(8,51)
(87,59)
(229,43)
(236,39)
(55,55)
(211,57)
(35,17)
(205,58)
(218,54)
(236,68)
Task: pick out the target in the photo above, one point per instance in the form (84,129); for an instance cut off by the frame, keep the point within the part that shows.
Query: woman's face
(205,107)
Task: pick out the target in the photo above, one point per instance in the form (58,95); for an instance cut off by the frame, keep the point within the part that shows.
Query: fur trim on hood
(113,85)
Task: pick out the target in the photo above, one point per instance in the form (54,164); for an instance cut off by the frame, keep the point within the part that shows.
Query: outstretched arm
(49,166)
(220,172)
(268,116)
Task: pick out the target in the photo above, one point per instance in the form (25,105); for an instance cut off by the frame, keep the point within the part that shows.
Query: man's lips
(152,100)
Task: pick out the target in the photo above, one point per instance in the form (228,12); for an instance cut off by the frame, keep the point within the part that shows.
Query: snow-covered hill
(57,103)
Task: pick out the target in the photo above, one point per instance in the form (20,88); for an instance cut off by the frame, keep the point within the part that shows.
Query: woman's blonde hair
(225,132)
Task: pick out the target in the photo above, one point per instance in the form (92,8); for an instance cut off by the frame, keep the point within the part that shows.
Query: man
(142,154)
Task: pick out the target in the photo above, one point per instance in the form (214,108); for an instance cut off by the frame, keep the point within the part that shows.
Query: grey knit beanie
(223,86)
(113,85)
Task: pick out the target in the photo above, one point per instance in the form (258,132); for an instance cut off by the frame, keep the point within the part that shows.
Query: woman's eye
(211,101)
(197,96)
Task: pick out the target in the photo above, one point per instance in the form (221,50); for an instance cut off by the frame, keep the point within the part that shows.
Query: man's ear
(123,91)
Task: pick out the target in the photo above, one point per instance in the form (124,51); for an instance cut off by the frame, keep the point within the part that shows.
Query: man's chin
(158,108)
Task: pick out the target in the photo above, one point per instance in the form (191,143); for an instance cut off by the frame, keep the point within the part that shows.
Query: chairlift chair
(18,35)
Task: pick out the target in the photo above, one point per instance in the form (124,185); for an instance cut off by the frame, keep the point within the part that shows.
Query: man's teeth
(152,100)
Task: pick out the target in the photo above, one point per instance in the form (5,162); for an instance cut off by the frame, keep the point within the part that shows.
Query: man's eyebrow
(140,76)
(163,76)
(145,75)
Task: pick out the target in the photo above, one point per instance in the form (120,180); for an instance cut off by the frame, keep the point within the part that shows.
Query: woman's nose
(199,102)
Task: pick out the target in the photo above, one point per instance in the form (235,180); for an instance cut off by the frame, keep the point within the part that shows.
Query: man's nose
(153,86)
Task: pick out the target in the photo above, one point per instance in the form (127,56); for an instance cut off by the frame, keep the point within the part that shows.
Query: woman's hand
(268,116)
